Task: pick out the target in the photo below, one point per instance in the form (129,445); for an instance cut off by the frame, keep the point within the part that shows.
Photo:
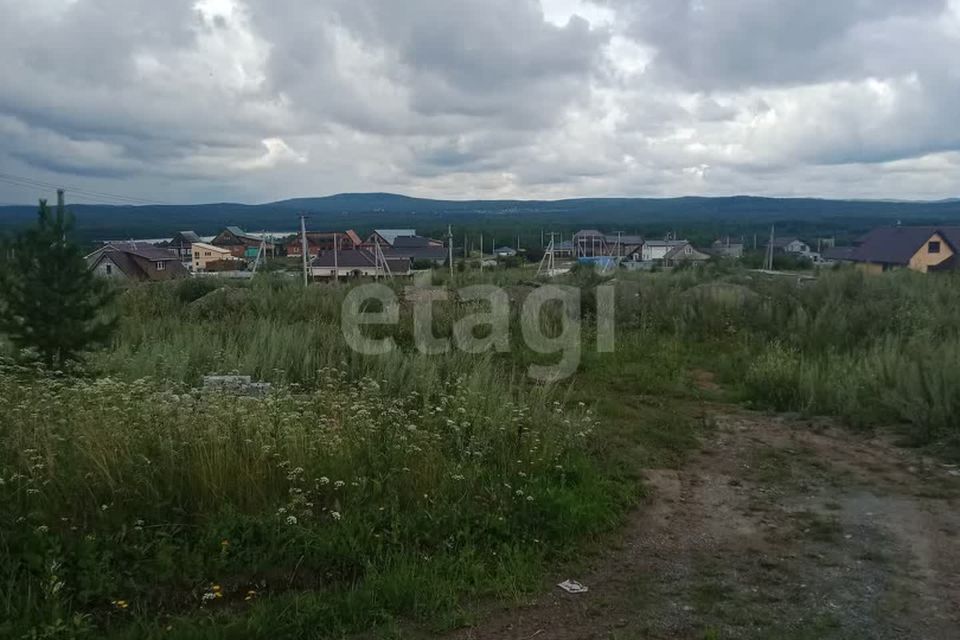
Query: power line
(26,182)
(88,192)
(40,184)
(94,196)
(33,188)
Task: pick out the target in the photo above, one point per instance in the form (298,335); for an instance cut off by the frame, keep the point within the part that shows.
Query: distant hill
(364,211)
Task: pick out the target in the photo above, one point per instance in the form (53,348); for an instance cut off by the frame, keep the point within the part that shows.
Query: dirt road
(776,529)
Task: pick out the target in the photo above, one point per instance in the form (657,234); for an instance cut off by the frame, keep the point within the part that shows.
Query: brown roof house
(918,248)
(322,241)
(139,261)
(242,244)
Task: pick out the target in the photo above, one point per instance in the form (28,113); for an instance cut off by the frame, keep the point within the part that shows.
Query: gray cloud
(258,99)
(722,44)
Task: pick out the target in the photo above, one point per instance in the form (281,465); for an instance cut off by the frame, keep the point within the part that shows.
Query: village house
(182,245)
(626,247)
(240,243)
(419,249)
(684,253)
(138,261)
(657,250)
(205,255)
(790,245)
(319,242)
(359,263)
(918,248)
(386,237)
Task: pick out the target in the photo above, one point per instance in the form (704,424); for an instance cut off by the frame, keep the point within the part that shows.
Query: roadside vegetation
(874,351)
(374,492)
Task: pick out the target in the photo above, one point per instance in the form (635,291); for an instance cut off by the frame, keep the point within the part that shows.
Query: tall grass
(166,500)
(362,489)
(871,349)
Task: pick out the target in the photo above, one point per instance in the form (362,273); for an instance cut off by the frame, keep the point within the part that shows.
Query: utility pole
(481,253)
(261,252)
(336,257)
(303,249)
(548,259)
(770,249)
(450,249)
(61,213)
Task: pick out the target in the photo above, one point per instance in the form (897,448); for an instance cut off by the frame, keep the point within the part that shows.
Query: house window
(933,247)
(161,266)
(109,269)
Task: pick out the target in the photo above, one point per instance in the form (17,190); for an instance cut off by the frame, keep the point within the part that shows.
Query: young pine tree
(51,304)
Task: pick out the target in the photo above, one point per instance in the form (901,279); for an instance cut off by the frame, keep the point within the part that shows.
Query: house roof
(210,247)
(354,238)
(144,250)
(410,242)
(666,243)
(681,251)
(390,235)
(625,240)
(839,253)
(240,233)
(359,258)
(187,236)
(136,266)
(428,252)
(123,261)
(896,245)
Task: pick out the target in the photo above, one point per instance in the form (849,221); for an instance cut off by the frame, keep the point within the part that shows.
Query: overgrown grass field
(371,493)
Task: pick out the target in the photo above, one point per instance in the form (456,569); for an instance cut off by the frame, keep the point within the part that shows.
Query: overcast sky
(258,100)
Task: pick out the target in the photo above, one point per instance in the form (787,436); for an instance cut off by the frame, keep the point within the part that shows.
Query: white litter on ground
(572,586)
